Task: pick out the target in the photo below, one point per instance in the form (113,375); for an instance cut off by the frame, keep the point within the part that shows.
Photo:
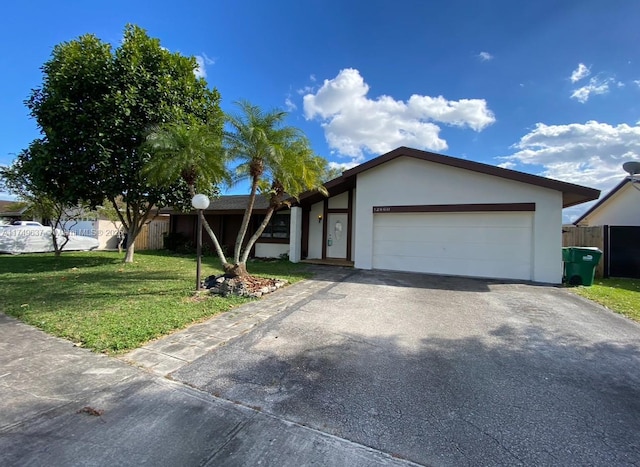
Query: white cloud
(342,165)
(202,61)
(589,154)
(355,124)
(290,105)
(579,73)
(508,165)
(485,56)
(595,86)
(312,78)
(637,82)
(306,90)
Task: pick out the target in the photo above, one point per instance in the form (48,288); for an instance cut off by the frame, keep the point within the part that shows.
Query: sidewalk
(63,405)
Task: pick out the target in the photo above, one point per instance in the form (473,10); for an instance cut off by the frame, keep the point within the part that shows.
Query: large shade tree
(94,109)
(279,164)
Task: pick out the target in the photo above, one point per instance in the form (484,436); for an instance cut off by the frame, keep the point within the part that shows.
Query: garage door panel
(478,250)
(454,266)
(474,244)
(449,237)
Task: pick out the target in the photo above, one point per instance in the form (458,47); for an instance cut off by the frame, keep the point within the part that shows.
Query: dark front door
(624,251)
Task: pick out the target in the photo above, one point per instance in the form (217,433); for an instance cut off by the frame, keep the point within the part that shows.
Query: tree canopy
(95,107)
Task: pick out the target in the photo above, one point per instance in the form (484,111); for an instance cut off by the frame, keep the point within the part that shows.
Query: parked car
(32,237)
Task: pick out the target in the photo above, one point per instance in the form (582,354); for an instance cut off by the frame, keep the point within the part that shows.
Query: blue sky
(547,87)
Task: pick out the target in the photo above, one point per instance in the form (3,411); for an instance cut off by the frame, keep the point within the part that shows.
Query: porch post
(295,235)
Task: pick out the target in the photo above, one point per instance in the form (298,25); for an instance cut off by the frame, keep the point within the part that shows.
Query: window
(278,227)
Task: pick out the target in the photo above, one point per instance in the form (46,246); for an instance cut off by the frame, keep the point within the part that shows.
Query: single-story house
(12,210)
(224,216)
(617,214)
(621,206)
(417,211)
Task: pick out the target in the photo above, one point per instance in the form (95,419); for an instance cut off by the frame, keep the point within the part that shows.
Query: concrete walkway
(63,405)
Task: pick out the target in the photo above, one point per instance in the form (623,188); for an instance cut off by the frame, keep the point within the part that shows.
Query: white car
(35,238)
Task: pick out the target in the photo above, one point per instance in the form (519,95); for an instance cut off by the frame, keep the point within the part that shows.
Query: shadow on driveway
(521,375)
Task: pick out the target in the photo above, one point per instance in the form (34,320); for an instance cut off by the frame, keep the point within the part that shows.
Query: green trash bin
(580,264)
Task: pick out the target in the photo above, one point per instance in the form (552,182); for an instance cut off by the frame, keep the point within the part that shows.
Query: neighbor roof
(17,208)
(602,201)
(571,194)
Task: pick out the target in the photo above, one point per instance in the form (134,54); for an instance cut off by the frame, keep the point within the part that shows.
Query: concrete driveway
(443,371)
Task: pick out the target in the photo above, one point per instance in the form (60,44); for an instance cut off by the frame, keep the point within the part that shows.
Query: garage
(478,244)
(417,211)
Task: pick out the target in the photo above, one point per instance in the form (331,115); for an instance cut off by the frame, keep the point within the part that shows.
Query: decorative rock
(247,287)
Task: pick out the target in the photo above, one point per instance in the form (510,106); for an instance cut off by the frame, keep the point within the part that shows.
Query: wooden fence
(585,236)
(151,235)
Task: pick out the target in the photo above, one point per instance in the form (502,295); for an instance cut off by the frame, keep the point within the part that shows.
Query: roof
(603,200)
(231,204)
(12,208)
(571,194)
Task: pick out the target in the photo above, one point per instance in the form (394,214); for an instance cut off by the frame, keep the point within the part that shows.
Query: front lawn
(619,295)
(94,300)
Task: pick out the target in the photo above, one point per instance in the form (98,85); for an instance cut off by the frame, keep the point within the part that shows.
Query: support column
(295,235)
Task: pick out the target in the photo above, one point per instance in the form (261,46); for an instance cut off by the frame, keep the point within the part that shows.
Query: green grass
(619,295)
(95,300)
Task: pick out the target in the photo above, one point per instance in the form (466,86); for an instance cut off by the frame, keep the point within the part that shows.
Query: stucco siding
(623,208)
(271,250)
(409,181)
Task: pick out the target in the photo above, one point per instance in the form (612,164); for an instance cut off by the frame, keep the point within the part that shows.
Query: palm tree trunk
(207,228)
(256,236)
(245,222)
(214,239)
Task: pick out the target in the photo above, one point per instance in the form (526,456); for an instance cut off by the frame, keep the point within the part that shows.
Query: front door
(337,234)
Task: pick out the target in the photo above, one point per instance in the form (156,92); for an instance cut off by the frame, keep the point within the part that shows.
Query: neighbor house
(12,210)
(416,211)
(621,206)
(617,214)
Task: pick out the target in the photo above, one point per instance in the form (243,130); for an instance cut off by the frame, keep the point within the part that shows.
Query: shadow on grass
(28,264)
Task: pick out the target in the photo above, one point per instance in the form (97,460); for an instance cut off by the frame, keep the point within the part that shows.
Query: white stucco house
(621,207)
(412,210)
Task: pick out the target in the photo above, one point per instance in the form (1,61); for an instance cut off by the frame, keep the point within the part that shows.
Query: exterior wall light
(319,218)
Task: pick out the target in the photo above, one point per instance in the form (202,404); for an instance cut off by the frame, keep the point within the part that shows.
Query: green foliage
(619,295)
(95,300)
(189,154)
(277,160)
(95,107)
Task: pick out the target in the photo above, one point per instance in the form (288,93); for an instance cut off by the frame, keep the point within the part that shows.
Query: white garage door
(480,244)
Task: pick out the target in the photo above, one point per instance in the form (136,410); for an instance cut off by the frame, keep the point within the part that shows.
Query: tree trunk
(256,235)
(235,270)
(214,239)
(245,221)
(131,247)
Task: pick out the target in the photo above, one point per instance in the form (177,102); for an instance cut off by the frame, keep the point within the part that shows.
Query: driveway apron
(443,371)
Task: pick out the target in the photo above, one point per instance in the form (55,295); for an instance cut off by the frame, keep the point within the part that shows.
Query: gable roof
(12,208)
(603,200)
(571,194)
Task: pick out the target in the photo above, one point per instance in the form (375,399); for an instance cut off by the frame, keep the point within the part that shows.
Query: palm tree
(278,162)
(191,152)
